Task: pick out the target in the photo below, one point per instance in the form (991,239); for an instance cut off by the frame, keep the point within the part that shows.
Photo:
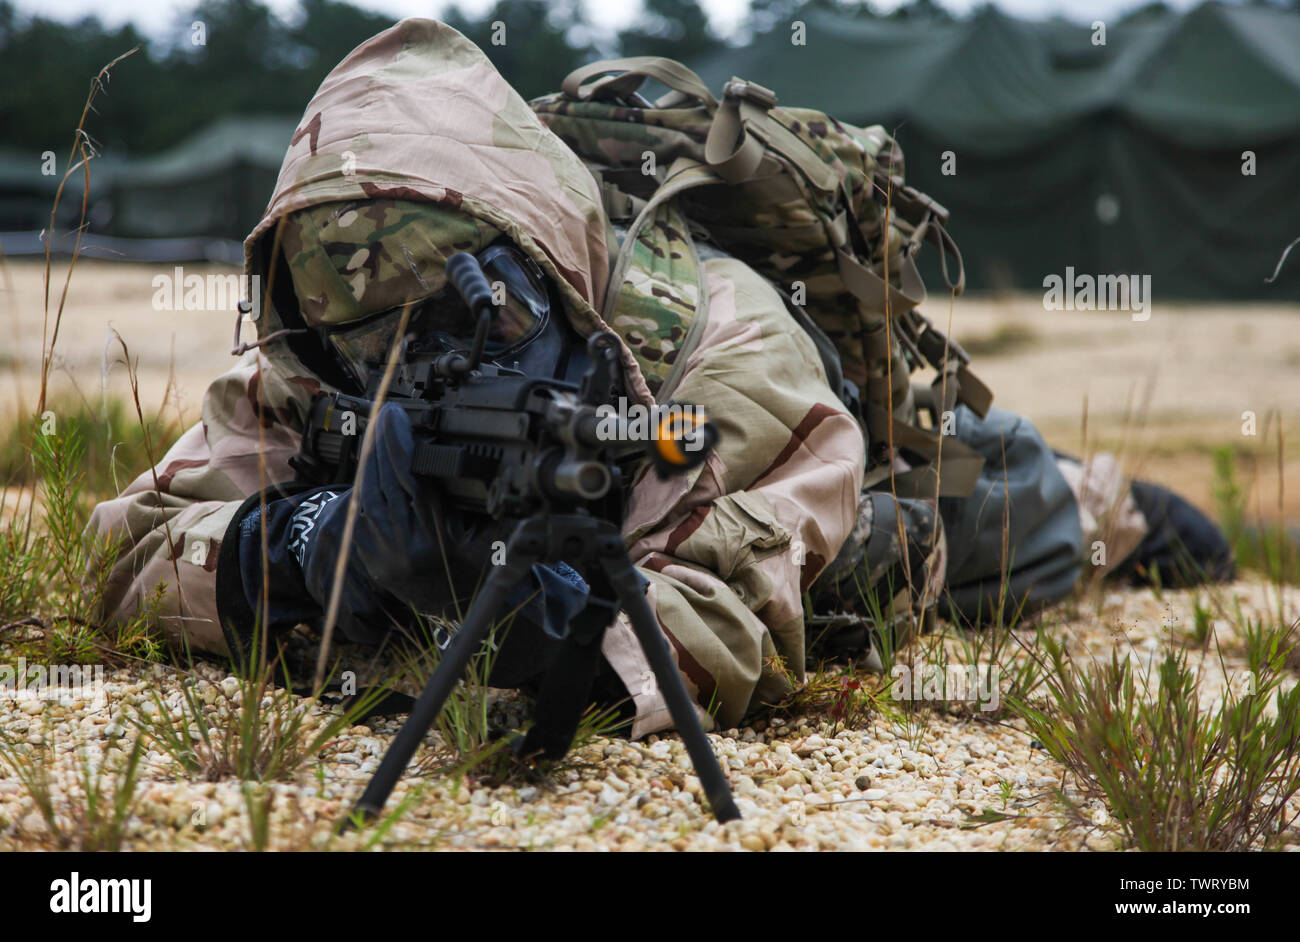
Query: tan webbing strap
(923,398)
(635,70)
(874,476)
(939,236)
(928,217)
(920,483)
(618,203)
(814,169)
(892,386)
(872,290)
(868,287)
(959,467)
(948,358)
(733,152)
(972,391)
(956,383)
(674,99)
(946,387)
(744,129)
(910,483)
(682,175)
(875,343)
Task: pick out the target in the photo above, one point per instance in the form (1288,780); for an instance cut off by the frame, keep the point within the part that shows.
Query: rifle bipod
(614,585)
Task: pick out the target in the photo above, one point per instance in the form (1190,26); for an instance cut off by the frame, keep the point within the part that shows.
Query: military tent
(1171,149)
(215,184)
(29,182)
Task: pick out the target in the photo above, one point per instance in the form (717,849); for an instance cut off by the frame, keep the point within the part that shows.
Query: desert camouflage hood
(418,113)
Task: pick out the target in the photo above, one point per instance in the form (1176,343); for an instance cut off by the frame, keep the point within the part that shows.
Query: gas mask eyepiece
(443,321)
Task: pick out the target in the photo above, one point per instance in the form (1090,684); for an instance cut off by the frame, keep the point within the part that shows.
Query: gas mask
(529,332)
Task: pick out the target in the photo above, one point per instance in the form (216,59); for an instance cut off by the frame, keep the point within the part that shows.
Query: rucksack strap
(872,290)
(938,235)
(955,380)
(620,206)
(928,217)
(953,468)
(730,149)
(635,70)
(684,174)
(743,130)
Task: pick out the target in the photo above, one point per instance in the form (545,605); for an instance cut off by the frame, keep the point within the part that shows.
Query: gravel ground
(941,782)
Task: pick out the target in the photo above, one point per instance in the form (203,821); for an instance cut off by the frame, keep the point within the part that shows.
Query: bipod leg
(523,549)
(613,557)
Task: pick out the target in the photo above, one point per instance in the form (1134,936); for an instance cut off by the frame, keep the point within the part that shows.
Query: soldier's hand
(396,552)
(410,552)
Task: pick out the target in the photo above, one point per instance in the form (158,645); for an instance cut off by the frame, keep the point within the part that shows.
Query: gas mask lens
(444,321)
(523,301)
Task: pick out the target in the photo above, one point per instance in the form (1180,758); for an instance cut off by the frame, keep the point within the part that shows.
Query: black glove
(399,562)
(1182,545)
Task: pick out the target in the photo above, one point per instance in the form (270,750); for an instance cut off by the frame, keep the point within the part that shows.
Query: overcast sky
(152,17)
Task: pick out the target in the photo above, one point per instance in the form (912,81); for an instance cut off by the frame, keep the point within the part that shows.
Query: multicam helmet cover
(350,260)
(356,266)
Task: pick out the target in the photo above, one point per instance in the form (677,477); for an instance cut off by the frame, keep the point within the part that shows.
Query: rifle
(528,450)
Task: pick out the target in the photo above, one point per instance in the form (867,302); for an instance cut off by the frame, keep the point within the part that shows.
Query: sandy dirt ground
(1163,392)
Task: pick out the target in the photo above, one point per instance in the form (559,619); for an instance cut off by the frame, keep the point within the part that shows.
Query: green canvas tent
(1125,157)
(26,193)
(29,182)
(214,184)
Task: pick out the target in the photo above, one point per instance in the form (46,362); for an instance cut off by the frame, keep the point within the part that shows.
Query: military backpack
(817,206)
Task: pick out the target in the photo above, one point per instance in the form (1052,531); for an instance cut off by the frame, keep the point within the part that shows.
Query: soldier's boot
(883,585)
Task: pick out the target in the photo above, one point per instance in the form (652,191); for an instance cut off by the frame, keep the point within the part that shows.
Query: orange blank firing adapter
(683,440)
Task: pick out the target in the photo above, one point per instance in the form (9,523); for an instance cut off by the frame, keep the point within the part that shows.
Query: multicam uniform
(417,124)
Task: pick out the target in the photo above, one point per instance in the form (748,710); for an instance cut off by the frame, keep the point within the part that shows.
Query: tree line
(238,57)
